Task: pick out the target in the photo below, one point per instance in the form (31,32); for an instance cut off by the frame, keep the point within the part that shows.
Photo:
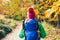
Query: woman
(31,27)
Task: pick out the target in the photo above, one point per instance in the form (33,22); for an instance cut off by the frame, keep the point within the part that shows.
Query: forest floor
(14,34)
(52,33)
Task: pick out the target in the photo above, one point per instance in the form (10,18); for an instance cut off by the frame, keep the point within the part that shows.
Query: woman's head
(30,13)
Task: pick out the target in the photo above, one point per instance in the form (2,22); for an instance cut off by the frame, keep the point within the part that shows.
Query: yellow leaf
(36,11)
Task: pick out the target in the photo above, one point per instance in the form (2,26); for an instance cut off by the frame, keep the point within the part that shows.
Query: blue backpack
(30,25)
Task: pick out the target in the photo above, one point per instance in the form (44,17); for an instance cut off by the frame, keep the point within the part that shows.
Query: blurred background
(12,12)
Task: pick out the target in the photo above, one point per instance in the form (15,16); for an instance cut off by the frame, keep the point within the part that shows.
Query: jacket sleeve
(42,31)
(21,32)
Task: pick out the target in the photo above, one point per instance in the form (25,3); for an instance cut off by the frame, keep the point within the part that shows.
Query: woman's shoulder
(31,20)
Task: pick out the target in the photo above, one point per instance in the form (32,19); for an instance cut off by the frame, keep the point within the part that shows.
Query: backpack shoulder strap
(23,24)
(37,25)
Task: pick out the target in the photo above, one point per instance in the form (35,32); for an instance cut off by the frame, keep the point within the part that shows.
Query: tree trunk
(58,22)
